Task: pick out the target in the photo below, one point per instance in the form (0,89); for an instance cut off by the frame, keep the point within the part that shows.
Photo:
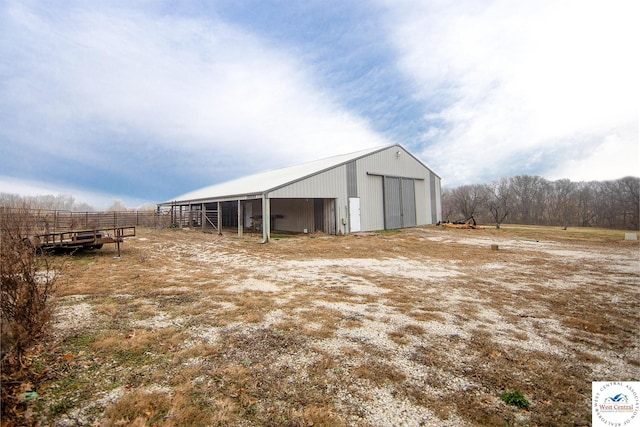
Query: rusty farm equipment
(468,224)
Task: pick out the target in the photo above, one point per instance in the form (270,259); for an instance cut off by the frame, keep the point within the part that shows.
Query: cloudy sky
(146,100)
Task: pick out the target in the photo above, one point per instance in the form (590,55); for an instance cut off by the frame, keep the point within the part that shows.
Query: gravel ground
(425,327)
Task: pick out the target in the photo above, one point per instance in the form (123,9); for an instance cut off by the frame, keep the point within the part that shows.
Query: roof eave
(225,198)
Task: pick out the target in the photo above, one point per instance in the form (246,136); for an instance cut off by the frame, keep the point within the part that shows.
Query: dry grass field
(424,326)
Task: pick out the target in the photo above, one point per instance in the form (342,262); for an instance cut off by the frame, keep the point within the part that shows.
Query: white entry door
(354,214)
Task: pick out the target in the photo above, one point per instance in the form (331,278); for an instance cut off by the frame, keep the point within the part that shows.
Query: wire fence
(39,221)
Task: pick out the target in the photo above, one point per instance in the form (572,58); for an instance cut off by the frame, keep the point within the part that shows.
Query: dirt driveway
(420,327)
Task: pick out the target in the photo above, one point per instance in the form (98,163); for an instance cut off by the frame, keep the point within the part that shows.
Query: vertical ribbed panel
(392,203)
(432,193)
(408,198)
(352,179)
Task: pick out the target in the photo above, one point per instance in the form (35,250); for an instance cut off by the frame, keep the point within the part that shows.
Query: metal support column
(266,219)
(220,218)
(240,219)
(203,217)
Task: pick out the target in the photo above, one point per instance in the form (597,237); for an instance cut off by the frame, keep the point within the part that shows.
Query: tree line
(62,202)
(526,199)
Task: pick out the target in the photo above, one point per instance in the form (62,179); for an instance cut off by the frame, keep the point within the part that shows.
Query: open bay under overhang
(256,213)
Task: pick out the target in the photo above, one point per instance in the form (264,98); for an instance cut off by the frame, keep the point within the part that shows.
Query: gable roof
(264,182)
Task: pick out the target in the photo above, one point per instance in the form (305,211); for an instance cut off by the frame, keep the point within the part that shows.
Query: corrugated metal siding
(399,203)
(297,214)
(438,200)
(408,197)
(433,197)
(318,214)
(423,216)
(351,180)
(329,216)
(371,202)
(370,188)
(386,162)
(329,184)
(392,203)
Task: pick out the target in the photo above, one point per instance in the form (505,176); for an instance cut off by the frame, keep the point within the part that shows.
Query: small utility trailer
(80,239)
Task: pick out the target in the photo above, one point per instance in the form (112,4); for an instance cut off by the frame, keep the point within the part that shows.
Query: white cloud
(507,87)
(198,86)
(98,200)
(611,159)
(516,80)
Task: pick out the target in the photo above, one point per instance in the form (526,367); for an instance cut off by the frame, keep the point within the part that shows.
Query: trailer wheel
(27,242)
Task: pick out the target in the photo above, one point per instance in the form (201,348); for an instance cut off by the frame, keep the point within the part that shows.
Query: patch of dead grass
(167,326)
(139,408)
(379,373)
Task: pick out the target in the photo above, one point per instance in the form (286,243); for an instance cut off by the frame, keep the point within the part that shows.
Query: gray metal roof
(264,182)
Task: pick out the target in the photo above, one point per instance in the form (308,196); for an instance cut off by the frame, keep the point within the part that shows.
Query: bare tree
(562,206)
(528,198)
(118,206)
(448,205)
(628,194)
(469,199)
(61,202)
(499,200)
(585,196)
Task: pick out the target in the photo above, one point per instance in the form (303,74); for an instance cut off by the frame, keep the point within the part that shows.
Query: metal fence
(52,221)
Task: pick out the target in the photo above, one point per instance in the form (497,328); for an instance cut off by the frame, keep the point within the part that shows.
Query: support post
(240,219)
(266,219)
(219,218)
(118,237)
(203,216)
